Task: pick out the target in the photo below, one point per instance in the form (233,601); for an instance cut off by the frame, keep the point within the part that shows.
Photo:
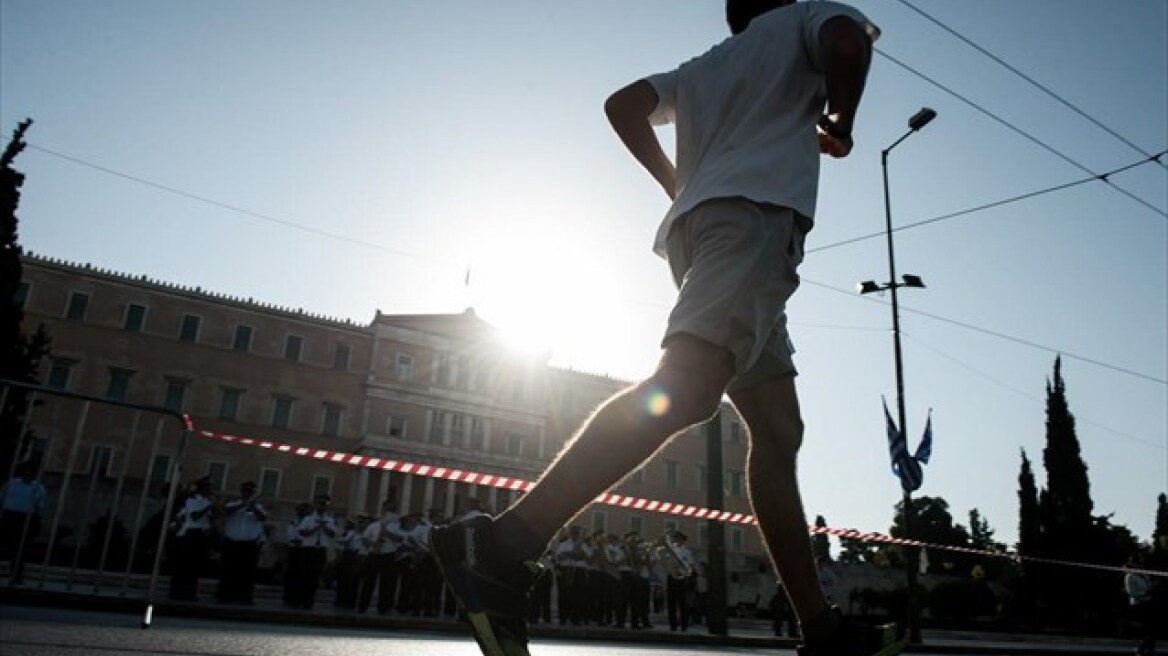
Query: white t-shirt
(745,113)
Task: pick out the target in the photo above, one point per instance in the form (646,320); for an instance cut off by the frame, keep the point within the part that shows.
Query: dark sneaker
(854,639)
(491,590)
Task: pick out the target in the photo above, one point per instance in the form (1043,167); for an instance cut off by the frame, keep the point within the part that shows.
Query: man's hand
(832,140)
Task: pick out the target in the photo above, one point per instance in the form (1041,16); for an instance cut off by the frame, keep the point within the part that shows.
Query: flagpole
(914,629)
(915,123)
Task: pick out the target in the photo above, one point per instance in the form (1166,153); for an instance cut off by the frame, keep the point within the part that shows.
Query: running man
(743,196)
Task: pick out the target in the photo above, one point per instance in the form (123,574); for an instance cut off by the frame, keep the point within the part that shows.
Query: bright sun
(543,292)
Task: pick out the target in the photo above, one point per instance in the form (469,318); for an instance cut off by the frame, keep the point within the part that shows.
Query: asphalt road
(30,631)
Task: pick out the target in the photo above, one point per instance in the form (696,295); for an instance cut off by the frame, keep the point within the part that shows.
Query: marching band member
(193,523)
(349,554)
(318,531)
(382,537)
(243,535)
(294,563)
(572,561)
(679,565)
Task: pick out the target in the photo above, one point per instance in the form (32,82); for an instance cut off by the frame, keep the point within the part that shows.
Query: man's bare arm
(628,112)
(846,51)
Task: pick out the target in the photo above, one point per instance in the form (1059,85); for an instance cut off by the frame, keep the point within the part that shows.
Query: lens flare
(658,403)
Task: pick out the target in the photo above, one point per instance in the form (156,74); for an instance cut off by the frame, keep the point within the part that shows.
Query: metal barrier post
(116,506)
(175,481)
(142,503)
(64,492)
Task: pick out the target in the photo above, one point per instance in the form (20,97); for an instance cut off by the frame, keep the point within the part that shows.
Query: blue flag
(925,448)
(906,467)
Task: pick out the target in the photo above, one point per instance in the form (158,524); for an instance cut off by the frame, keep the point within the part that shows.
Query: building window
(636,524)
(21,297)
(119,384)
(599,521)
(229,398)
(671,526)
(341,357)
(160,468)
(514,445)
(322,485)
(60,373)
(242,340)
(736,538)
(269,483)
(737,483)
(135,318)
(671,467)
(438,427)
(397,427)
(638,475)
(478,434)
(735,432)
(293,344)
(458,430)
(703,534)
(101,461)
(281,411)
(188,330)
(465,374)
(330,423)
(442,370)
(78,306)
(176,394)
(701,477)
(404,367)
(217,472)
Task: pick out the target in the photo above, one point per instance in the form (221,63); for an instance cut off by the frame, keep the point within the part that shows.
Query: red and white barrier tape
(632,503)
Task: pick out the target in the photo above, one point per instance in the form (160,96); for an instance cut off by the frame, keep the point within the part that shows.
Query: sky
(363,156)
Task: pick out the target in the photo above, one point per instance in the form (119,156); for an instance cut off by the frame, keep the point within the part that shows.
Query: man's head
(739,13)
(247,489)
(322,502)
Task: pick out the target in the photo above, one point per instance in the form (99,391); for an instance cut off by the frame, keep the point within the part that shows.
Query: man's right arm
(628,112)
(846,53)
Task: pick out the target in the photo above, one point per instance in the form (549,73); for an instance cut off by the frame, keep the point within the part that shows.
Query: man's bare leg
(628,428)
(771,412)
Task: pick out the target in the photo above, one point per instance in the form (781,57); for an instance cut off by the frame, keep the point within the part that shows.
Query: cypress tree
(20,355)
(1029,526)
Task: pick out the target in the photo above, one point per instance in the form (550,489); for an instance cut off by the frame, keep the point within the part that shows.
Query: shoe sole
(490,643)
(894,647)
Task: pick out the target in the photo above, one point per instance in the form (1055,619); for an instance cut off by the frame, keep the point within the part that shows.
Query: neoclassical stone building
(440,390)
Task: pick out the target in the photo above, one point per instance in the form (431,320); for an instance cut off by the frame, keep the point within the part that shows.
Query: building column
(451,493)
(428,495)
(407,485)
(493,499)
(382,489)
(360,495)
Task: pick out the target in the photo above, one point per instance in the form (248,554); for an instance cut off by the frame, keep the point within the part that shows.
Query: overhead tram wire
(434,262)
(991,205)
(235,208)
(1063,101)
(1026,395)
(1026,135)
(994,333)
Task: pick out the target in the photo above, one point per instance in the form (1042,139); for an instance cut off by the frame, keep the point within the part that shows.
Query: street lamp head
(921,118)
(912,281)
(867,287)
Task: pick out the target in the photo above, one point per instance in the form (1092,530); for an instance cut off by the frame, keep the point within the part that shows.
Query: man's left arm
(628,112)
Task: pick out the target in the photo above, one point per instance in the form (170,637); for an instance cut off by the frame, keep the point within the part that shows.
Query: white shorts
(735,263)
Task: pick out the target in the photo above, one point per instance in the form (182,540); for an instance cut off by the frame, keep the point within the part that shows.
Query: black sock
(516,539)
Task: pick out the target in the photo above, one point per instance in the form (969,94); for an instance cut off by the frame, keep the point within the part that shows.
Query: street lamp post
(915,123)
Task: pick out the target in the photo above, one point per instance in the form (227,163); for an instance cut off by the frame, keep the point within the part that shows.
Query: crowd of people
(382,563)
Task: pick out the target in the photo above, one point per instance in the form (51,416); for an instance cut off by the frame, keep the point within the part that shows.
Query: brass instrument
(666,552)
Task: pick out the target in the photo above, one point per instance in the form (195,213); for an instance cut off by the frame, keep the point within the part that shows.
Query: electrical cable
(1066,103)
(1019,131)
(986,206)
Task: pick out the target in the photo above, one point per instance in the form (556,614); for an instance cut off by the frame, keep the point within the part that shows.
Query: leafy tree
(20,355)
(1068,499)
(820,544)
(855,551)
(1029,520)
(931,522)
